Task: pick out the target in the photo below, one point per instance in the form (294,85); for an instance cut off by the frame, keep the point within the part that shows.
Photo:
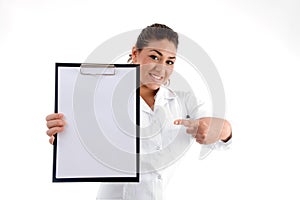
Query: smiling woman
(157,63)
(162,141)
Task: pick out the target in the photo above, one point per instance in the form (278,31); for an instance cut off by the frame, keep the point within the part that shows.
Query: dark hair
(155,32)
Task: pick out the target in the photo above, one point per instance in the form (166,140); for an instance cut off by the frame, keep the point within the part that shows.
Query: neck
(148,95)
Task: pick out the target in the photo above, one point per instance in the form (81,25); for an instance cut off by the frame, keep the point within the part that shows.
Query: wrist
(227,134)
(228,138)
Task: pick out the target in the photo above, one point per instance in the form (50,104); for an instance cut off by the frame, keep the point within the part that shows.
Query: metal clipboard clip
(97,69)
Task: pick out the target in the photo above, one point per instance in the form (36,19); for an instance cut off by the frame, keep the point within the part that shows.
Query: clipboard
(100,142)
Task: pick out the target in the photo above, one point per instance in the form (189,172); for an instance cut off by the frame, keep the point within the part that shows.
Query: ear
(134,54)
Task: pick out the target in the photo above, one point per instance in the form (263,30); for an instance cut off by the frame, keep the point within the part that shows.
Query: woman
(155,51)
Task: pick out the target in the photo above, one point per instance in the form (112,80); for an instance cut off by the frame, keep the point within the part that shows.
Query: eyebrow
(159,53)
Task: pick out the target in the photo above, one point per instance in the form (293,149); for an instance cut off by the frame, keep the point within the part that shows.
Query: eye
(170,62)
(154,57)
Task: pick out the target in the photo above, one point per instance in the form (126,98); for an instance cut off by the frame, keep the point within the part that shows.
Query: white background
(254,44)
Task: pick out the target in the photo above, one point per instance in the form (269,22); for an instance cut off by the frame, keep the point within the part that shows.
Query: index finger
(184,122)
(54,116)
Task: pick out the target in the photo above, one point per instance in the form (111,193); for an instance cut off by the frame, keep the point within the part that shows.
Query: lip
(156,78)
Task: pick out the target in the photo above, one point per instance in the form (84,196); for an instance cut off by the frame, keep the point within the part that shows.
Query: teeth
(156,77)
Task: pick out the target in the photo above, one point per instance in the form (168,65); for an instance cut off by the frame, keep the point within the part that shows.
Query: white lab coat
(162,145)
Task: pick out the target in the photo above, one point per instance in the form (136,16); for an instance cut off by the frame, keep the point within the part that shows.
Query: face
(156,62)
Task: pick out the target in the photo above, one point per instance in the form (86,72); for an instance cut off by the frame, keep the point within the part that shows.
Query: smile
(156,77)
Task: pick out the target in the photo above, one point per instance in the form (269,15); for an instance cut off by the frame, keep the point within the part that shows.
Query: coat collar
(163,96)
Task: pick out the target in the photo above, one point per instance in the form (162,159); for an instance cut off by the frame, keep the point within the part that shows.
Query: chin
(153,86)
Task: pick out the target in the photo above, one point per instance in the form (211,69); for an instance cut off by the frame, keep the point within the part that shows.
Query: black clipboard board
(119,173)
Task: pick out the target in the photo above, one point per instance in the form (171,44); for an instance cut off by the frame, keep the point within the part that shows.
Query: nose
(159,67)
